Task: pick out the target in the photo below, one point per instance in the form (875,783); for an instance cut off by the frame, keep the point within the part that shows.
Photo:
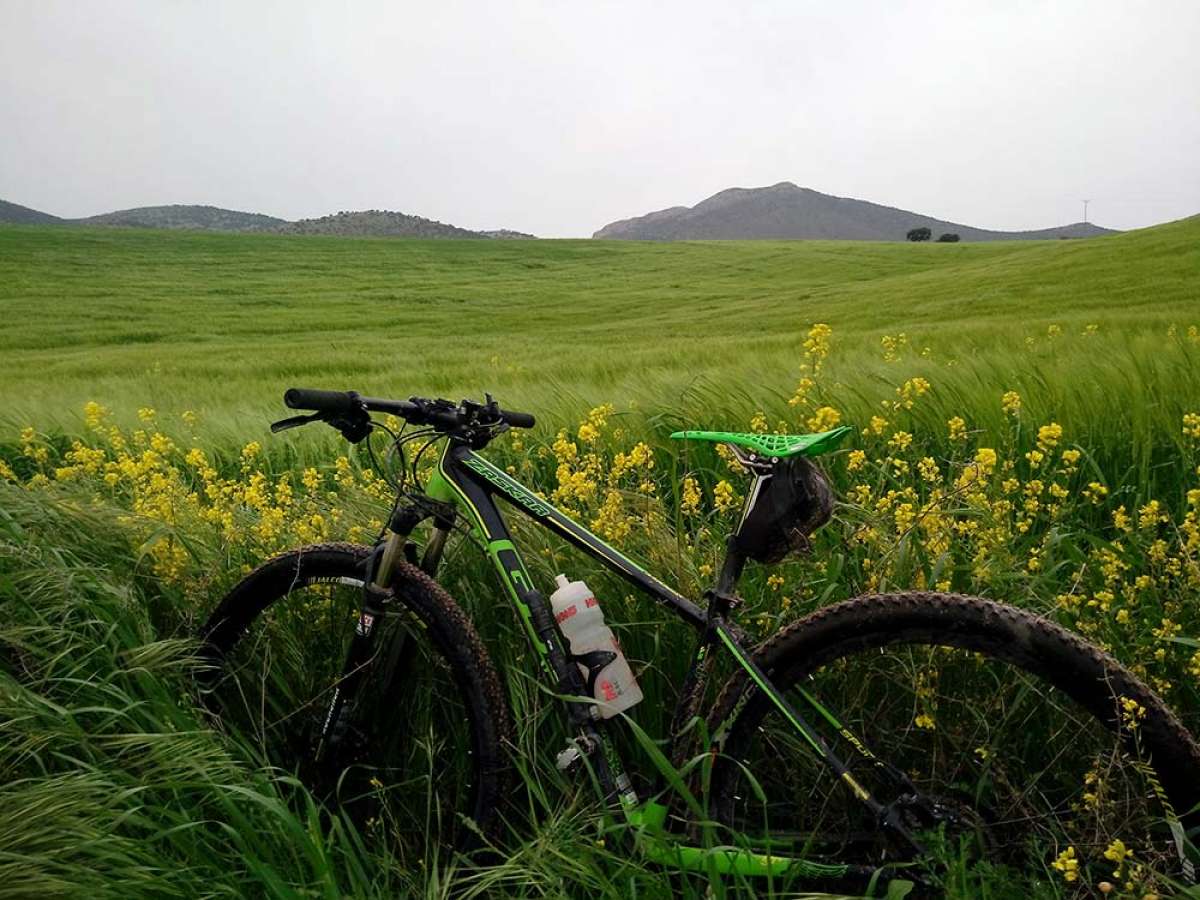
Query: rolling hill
(199,218)
(23,215)
(787,212)
(367,223)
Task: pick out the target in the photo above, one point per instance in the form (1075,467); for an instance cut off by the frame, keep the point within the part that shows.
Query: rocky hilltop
(385,223)
(785,211)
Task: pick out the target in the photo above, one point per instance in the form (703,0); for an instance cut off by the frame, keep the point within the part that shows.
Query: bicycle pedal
(569,758)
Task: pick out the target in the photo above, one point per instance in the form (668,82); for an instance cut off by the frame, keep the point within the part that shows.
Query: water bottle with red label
(604,666)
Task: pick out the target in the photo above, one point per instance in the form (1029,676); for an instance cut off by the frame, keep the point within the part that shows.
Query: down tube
(488,479)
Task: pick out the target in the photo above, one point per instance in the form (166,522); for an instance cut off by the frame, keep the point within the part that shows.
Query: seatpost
(722,598)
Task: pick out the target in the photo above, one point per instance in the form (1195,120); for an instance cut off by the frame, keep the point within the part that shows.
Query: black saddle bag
(783,510)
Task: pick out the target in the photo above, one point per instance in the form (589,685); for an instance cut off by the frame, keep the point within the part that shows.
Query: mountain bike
(871,735)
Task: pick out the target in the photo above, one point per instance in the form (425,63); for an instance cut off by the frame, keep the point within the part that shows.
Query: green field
(222,323)
(113,784)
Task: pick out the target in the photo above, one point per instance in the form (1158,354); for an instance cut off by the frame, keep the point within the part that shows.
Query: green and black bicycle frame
(466,481)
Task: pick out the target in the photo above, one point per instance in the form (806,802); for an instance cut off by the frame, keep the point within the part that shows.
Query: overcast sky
(558,117)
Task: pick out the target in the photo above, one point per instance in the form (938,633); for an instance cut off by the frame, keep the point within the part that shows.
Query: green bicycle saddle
(780,446)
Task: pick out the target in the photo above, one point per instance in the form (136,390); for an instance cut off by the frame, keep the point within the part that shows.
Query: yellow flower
(800,397)
(1117,852)
(564,450)
(94,414)
(1132,712)
(1095,492)
(588,433)
(893,345)
(724,496)
(925,721)
(1011,403)
(985,458)
(908,393)
(816,346)
(774,582)
(1071,457)
(824,419)
(878,423)
(189,418)
(689,496)
(758,424)
(598,417)
(1121,519)
(1049,436)
(146,414)
(1191,426)
(1067,864)
(1150,515)
(855,460)
(900,440)
(957,428)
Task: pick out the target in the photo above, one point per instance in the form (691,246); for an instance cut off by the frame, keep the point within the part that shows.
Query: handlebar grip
(518,419)
(337,402)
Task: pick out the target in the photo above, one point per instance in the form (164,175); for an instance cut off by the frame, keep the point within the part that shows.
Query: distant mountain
(201,218)
(371,223)
(787,212)
(23,215)
(385,223)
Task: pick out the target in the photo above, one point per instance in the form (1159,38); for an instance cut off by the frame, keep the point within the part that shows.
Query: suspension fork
(361,654)
(377,593)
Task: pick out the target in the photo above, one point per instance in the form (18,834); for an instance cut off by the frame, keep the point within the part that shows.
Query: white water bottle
(578,615)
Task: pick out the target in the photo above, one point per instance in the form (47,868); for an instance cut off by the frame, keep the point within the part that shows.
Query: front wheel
(420,757)
(1034,750)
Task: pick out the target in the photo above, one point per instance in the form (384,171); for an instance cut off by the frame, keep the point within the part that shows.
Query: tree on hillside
(919,234)
(948,238)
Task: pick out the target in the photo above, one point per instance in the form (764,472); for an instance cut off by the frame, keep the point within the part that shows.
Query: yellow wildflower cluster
(1011,403)
(957,428)
(1068,864)
(598,480)
(176,496)
(893,346)
(816,345)
(816,349)
(825,418)
(908,393)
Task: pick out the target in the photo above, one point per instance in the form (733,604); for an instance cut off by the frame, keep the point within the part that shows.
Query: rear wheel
(420,757)
(1034,747)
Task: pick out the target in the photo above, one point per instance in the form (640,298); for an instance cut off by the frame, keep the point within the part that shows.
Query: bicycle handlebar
(443,415)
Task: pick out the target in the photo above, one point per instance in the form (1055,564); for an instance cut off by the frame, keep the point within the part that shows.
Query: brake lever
(293,422)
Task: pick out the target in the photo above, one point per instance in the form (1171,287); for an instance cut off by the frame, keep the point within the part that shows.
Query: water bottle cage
(594,661)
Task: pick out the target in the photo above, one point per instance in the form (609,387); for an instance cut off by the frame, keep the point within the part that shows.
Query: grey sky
(559,117)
